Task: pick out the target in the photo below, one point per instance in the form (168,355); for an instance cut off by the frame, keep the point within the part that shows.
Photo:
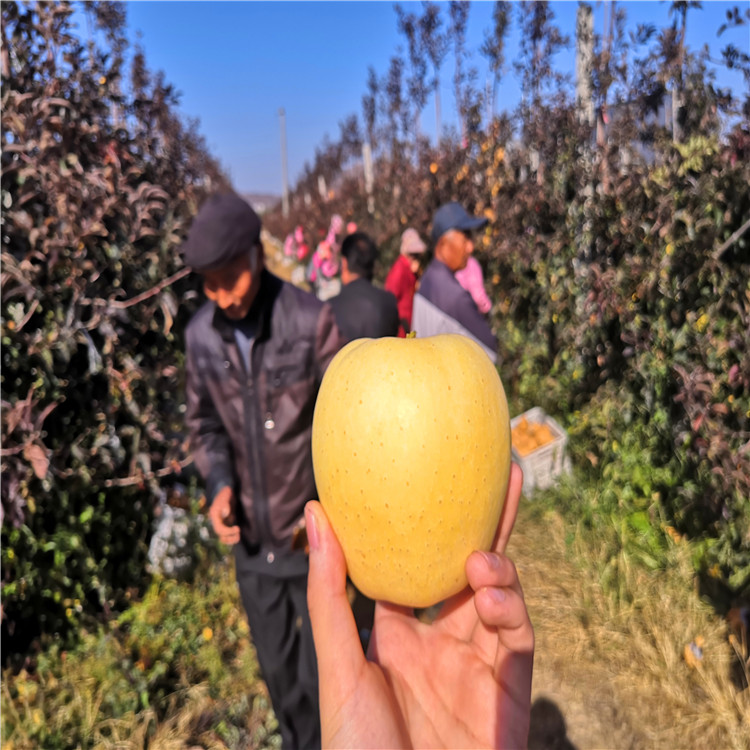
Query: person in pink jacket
(471,278)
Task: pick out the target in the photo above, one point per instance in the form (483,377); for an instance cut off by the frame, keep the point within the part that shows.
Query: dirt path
(575,704)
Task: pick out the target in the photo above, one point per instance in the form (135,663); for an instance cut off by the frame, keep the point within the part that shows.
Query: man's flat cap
(225,227)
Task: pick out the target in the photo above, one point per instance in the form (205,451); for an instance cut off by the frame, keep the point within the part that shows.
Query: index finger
(510,509)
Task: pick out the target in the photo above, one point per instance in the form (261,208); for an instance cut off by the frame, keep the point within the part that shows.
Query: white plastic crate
(542,466)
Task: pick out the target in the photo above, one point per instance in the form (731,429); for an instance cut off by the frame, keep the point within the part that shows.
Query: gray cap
(224,228)
(453,216)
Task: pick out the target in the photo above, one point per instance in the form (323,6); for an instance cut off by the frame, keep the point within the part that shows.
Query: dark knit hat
(225,227)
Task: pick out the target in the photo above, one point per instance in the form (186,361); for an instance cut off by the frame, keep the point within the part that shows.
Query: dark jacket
(252,430)
(364,311)
(442,305)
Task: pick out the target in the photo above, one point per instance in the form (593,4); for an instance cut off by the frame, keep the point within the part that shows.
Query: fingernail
(497,595)
(491,559)
(313,536)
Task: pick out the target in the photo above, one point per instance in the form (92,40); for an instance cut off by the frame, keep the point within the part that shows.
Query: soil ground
(575,705)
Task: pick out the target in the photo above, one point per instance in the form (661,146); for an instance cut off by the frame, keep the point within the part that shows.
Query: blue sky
(237,62)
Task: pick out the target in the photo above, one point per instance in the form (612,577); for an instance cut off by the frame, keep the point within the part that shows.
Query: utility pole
(284,178)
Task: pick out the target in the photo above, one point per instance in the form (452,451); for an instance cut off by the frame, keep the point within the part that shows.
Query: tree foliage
(99,181)
(618,266)
(618,262)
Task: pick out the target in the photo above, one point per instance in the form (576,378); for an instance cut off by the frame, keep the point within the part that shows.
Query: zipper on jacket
(255,431)
(269,422)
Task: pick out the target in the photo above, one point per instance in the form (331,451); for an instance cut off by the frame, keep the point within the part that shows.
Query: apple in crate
(411,451)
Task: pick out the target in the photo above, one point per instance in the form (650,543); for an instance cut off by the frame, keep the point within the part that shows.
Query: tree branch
(731,240)
(117,304)
(173,468)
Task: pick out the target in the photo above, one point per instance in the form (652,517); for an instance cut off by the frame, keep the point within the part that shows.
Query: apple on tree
(411,452)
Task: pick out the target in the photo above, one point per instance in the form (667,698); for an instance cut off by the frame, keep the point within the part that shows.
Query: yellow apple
(411,451)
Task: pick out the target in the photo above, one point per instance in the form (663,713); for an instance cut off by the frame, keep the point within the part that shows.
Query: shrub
(98,186)
(182,653)
(618,264)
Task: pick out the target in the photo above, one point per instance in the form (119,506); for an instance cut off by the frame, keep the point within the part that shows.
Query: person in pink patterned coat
(471,278)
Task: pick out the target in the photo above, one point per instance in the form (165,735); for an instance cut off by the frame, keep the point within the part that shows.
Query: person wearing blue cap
(441,304)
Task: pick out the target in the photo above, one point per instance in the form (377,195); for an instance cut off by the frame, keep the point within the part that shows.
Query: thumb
(225,505)
(226,511)
(337,644)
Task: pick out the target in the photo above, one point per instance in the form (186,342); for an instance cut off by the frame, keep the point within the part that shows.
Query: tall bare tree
(733,57)
(493,49)
(394,104)
(459,18)
(416,81)
(435,44)
(541,40)
(679,9)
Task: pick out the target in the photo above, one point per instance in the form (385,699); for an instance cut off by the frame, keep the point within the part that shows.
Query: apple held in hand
(411,451)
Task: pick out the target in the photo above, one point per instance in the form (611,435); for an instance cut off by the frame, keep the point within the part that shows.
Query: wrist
(213,490)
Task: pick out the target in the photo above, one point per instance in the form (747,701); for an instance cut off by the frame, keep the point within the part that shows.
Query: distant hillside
(261,202)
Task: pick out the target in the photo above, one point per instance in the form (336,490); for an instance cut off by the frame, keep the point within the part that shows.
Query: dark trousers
(280,629)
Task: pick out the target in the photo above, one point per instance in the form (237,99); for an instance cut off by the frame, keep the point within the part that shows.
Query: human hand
(462,681)
(221,514)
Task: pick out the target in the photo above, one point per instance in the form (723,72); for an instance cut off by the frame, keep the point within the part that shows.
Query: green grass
(178,667)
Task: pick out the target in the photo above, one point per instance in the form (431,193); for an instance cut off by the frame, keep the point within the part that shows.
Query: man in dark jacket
(362,310)
(441,304)
(256,353)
